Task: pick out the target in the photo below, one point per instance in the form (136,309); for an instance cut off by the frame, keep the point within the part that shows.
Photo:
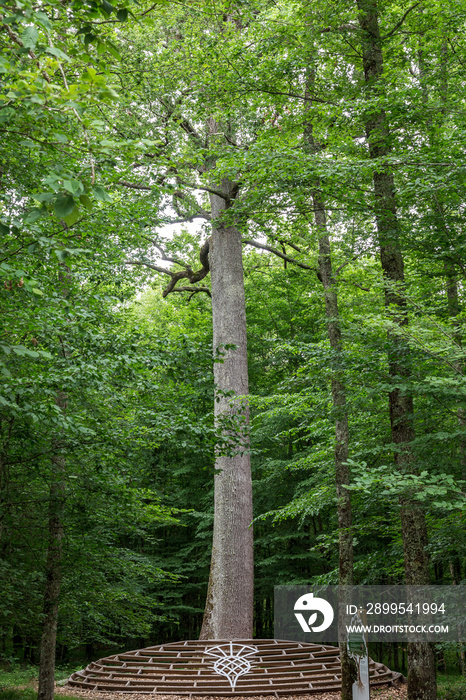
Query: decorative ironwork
(277,668)
(229,663)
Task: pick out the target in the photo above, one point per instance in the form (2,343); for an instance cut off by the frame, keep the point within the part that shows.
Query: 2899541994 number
(404,608)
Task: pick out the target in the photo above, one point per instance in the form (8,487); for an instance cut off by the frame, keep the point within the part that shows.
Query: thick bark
(421,662)
(229,607)
(53,573)
(342,477)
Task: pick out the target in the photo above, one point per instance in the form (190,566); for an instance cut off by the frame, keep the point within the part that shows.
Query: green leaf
(43,20)
(122,15)
(27,143)
(109,93)
(107,7)
(33,215)
(51,179)
(100,194)
(62,255)
(112,49)
(29,37)
(64,205)
(60,137)
(73,217)
(89,39)
(57,53)
(84,30)
(43,197)
(86,201)
(73,186)
(22,351)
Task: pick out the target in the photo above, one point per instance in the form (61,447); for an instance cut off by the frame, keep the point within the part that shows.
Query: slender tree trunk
(53,573)
(230,596)
(342,477)
(453,298)
(421,661)
(462,654)
(454,308)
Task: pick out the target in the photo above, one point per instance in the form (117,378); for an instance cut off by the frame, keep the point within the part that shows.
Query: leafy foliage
(104,144)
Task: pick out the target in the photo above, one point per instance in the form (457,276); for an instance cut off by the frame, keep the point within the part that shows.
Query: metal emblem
(232,660)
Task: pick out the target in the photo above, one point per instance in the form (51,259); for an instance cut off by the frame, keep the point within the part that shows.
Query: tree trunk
(342,477)
(421,661)
(439,211)
(229,606)
(462,653)
(53,573)
(454,308)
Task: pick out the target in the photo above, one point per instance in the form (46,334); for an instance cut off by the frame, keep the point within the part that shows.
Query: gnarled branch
(194,290)
(400,22)
(188,273)
(281,255)
(144,263)
(133,186)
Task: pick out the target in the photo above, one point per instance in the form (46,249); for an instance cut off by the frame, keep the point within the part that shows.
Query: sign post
(357,650)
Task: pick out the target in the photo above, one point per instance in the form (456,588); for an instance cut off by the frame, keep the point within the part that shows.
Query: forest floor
(396,693)
(21,684)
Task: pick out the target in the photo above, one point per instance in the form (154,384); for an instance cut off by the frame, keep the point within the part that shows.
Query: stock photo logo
(307,603)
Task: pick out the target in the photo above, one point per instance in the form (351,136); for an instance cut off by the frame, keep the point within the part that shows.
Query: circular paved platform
(224,668)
